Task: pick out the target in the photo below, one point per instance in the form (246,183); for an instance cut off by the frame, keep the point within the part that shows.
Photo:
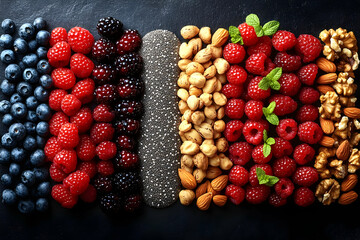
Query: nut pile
(202,107)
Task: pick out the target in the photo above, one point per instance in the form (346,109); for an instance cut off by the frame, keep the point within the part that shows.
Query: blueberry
(15,98)
(4,156)
(46,81)
(43,189)
(31,102)
(7,56)
(43,67)
(5,106)
(6,41)
(13,72)
(6,180)
(42,129)
(28,178)
(37,158)
(22,66)
(41,52)
(8,26)
(8,197)
(32,46)
(30,60)
(27,31)
(7,141)
(41,94)
(39,23)
(43,37)
(31,76)
(30,128)
(29,143)
(43,111)
(26,206)
(7,88)
(7,119)
(41,174)
(24,89)
(41,141)
(20,46)
(18,155)
(17,131)
(42,205)
(18,110)
(14,169)
(22,190)
(32,117)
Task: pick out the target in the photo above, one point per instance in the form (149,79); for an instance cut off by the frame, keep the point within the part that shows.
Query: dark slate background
(178,222)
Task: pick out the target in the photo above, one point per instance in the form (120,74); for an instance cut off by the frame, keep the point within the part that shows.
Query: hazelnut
(194,67)
(192,102)
(187,160)
(222,144)
(218,86)
(220,113)
(194,91)
(214,161)
(196,45)
(216,52)
(189,31)
(210,85)
(210,112)
(225,162)
(197,117)
(210,72)
(183,63)
(187,115)
(206,98)
(185,126)
(201,161)
(185,51)
(205,34)
(197,79)
(186,196)
(205,130)
(222,78)
(219,126)
(189,147)
(199,175)
(206,65)
(183,106)
(217,135)
(183,81)
(221,65)
(219,98)
(193,136)
(183,94)
(209,150)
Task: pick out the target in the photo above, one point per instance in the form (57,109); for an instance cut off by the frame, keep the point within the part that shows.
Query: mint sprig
(268,29)
(235,35)
(268,180)
(271,80)
(270,115)
(268,141)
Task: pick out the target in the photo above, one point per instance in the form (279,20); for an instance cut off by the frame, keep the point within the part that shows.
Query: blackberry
(105,93)
(126,182)
(103,50)
(130,87)
(125,142)
(110,203)
(109,27)
(126,160)
(132,203)
(129,42)
(104,73)
(127,126)
(103,184)
(128,108)
(129,64)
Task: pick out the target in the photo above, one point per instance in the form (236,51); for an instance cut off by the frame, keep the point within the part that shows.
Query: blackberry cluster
(25,113)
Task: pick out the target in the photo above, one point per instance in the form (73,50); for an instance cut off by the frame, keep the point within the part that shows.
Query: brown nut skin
(186,197)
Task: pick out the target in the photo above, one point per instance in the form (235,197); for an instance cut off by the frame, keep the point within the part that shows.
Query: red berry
(303,197)
(308,95)
(82,119)
(56,121)
(81,65)
(127,126)
(55,98)
(253,179)
(281,148)
(51,148)
(126,159)
(255,63)
(287,62)
(248,34)
(305,176)
(101,132)
(289,84)
(238,175)
(66,160)
(88,167)
(84,90)
(105,168)
(129,42)
(132,203)
(284,104)
(68,136)
(103,50)
(307,74)
(80,40)
(59,55)
(287,129)
(105,93)
(284,167)
(234,53)
(234,108)
(104,73)
(269,66)
(233,130)
(310,132)
(130,87)
(106,150)
(77,182)
(257,194)
(89,195)
(264,45)
(125,142)
(276,201)
(232,91)
(253,132)
(62,195)
(284,187)
(56,173)
(70,105)
(240,153)
(63,78)
(258,154)
(236,194)
(58,34)
(308,47)
(103,113)
(236,75)
(307,113)
(253,110)
(303,154)
(255,92)
(85,150)
(283,40)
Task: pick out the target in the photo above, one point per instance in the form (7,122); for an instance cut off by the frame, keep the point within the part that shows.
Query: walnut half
(354,161)
(321,161)
(327,191)
(330,107)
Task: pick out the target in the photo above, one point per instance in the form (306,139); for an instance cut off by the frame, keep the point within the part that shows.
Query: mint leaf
(275,74)
(268,180)
(270,141)
(265,136)
(235,35)
(275,85)
(259,31)
(264,84)
(253,20)
(271,27)
(271,106)
(272,118)
(266,149)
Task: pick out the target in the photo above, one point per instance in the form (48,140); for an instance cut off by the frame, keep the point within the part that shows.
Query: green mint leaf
(271,27)
(270,141)
(266,149)
(271,107)
(235,35)
(272,180)
(260,173)
(253,20)
(275,85)
(265,136)
(264,84)
(272,118)
(259,31)
(268,180)
(275,74)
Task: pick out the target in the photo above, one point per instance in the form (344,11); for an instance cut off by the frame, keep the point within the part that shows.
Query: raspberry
(106,150)
(68,136)
(276,201)
(51,148)
(103,184)
(307,74)
(103,113)
(103,50)
(125,142)
(308,95)
(105,168)
(232,91)
(85,150)
(287,129)
(253,110)
(129,64)
(264,123)
(126,182)
(101,132)
(284,104)
(287,62)
(290,84)
(104,74)
(126,159)
(248,34)
(58,34)
(128,109)
(55,98)
(255,92)
(236,75)
(56,173)
(269,66)
(77,182)
(308,47)
(284,167)
(257,194)
(303,197)
(284,187)
(238,175)
(253,132)
(62,195)
(110,203)
(264,45)
(303,154)
(105,93)
(283,40)
(233,130)
(234,53)
(89,195)
(234,108)
(70,105)
(132,203)
(130,87)
(127,126)
(129,42)
(258,154)
(81,65)
(56,121)
(59,55)
(80,40)
(240,153)
(66,160)
(63,78)
(255,63)
(310,132)
(88,167)
(236,194)
(281,148)
(253,179)
(305,176)
(83,120)
(307,113)
(84,90)
(109,27)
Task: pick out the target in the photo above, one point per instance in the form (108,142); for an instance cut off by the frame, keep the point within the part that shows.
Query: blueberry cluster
(25,113)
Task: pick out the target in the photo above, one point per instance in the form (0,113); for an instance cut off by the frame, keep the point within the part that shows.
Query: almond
(187,179)
(352,112)
(343,151)
(326,65)
(219,183)
(325,88)
(211,190)
(220,200)
(202,189)
(204,201)
(213,172)
(220,37)
(327,126)
(327,78)
(348,198)
(327,141)
(349,182)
